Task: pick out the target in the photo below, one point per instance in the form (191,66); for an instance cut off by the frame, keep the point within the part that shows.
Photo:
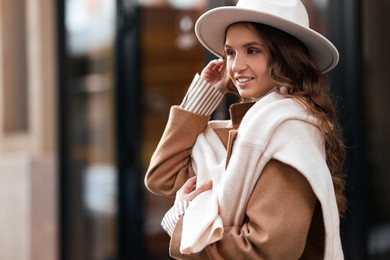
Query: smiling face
(247,61)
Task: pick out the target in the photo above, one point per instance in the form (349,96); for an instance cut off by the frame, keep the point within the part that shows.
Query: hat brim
(210,29)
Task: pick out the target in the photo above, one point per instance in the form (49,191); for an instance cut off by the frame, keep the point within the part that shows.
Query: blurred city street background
(85,90)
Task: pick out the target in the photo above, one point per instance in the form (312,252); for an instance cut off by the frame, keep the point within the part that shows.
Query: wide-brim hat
(287,15)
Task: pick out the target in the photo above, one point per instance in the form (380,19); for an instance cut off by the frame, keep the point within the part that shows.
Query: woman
(267,184)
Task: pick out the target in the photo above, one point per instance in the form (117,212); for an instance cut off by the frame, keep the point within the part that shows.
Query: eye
(252,51)
(230,52)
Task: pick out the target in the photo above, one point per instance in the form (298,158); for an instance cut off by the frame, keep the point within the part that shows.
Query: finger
(215,67)
(202,188)
(190,185)
(206,186)
(222,66)
(217,64)
(211,64)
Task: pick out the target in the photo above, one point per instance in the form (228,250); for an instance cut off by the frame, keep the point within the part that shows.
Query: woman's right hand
(189,191)
(215,74)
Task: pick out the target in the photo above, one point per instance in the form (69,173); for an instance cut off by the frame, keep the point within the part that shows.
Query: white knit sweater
(274,128)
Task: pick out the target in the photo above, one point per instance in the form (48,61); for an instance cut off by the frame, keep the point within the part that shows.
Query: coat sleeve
(276,224)
(169,167)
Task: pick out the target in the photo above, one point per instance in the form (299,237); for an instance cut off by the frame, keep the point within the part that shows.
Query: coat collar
(238,111)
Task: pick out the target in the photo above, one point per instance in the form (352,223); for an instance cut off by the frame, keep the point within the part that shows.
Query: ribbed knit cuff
(170,219)
(201,98)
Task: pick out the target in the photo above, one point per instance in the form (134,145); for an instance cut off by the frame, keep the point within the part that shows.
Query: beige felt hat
(287,15)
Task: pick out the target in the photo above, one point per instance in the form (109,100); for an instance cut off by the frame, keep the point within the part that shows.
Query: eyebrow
(247,44)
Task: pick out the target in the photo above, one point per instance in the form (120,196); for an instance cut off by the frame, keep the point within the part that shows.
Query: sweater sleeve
(173,214)
(276,223)
(201,98)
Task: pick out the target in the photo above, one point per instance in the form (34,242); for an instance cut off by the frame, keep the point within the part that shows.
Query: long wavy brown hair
(291,65)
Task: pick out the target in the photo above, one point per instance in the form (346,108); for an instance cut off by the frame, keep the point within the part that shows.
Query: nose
(239,63)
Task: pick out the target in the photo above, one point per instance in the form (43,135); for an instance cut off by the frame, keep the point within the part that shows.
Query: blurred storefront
(28,145)
(85,91)
(123,64)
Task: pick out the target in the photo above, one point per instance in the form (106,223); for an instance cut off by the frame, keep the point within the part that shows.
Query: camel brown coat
(283,219)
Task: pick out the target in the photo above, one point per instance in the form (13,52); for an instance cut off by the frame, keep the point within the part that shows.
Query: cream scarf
(275,127)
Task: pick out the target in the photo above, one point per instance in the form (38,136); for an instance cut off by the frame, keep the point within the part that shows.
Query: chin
(244,94)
